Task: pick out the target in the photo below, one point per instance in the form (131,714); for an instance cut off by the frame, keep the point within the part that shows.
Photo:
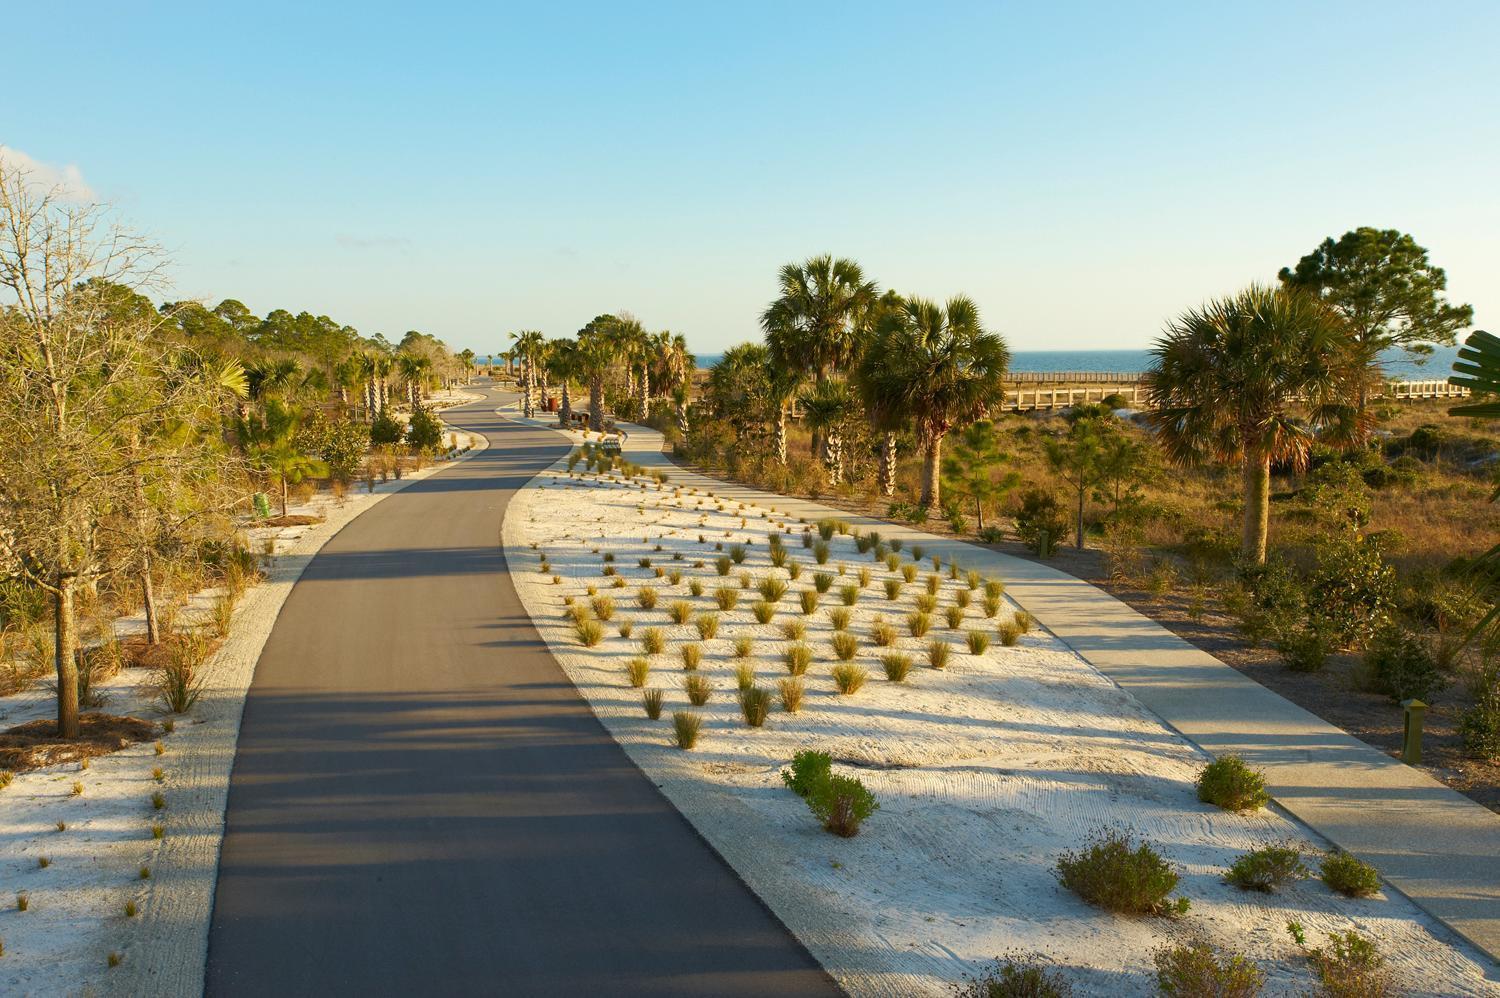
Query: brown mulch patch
(291,520)
(35,744)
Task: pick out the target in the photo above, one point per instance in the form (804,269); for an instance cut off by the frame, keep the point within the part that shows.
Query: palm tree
(597,349)
(938,365)
(1478,369)
(1252,379)
(413,368)
(827,407)
(347,376)
(562,361)
(270,444)
(885,416)
(529,348)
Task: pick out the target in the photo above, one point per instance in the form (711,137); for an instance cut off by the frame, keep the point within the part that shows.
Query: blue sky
(1083,171)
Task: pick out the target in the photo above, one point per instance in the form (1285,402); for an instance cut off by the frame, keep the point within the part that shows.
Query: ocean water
(1398,365)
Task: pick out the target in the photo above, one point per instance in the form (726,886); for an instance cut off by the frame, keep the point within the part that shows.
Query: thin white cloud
(66,180)
(349,241)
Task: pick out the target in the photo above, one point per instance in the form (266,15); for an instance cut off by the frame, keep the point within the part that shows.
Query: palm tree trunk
(527,406)
(565,410)
(888,465)
(65,655)
(931,474)
(1257,507)
(682,421)
(596,403)
(645,392)
(778,438)
(833,455)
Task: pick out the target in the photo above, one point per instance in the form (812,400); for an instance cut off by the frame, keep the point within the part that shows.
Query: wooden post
(1411,742)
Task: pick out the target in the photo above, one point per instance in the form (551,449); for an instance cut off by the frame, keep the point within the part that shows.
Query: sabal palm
(936,365)
(413,368)
(269,441)
(817,321)
(562,363)
(528,347)
(596,351)
(885,416)
(1253,379)
(827,407)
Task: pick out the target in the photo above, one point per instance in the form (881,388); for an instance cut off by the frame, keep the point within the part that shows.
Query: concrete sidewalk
(1436,846)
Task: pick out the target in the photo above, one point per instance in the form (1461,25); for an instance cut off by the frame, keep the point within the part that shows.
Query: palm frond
(1478,369)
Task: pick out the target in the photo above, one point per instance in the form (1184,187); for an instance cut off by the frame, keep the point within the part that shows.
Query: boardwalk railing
(1072,378)
(1032,399)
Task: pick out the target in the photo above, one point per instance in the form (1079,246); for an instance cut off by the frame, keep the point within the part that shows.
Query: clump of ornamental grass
(643,562)
(625,627)
(841,804)
(653,641)
(772,589)
(1199,969)
(692,654)
(1118,874)
(744,676)
(845,645)
(1267,868)
(848,678)
(1349,875)
(892,562)
(790,691)
(638,669)
(896,543)
(897,666)
(618,583)
(937,653)
(820,552)
(892,588)
(1009,634)
(926,603)
(994,588)
(746,580)
(778,555)
(651,702)
(603,607)
(646,597)
(1023,621)
(823,581)
(826,529)
(576,611)
(737,553)
(744,644)
(918,624)
(178,683)
(953,616)
(726,597)
(158,800)
(794,629)
(685,728)
(680,611)
(695,587)
(979,642)
(1015,976)
(839,617)
(864,578)
(808,600)
(933,584)
(674,576)
(722,565)
(961,598)
(909,573)
(797,658)
(794,570)
(763,611)
(755,705)
(1228,783)
(589,632)
(849,594)
(991,605)
(882,633)
(1351,966)
(974,579)
(698,688)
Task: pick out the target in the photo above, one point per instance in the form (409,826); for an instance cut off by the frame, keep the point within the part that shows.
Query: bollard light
(1411,743)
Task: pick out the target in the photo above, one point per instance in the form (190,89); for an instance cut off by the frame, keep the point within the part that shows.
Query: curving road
(422,804)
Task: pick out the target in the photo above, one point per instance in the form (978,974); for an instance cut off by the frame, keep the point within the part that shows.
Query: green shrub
(1041,522)
(845,645)
(1267,868)
(1351,589)
(1014,976)
(1351,967)
(1479,727)
(1305,648)
(755,705)
(841,804)
(698,688)
(897,666)
(1120,875)
(1401,665)
(848,678)
(809,769)
(1198,970)
(686,726)
(1228,783)
(639,669)
(937,653)
(1349,875)
(707,624)
(651,700)
(979,642)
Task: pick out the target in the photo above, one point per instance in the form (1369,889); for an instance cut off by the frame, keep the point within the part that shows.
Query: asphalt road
(421,803)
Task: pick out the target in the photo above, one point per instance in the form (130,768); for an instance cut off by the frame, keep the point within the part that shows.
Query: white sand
(76,916)
(985,772)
